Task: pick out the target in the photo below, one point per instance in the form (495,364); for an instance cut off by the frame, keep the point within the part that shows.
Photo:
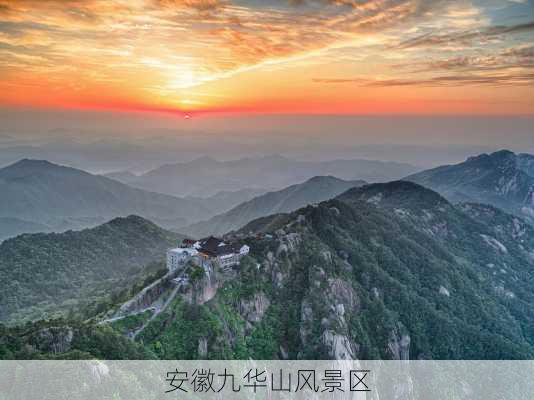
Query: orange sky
(270,56)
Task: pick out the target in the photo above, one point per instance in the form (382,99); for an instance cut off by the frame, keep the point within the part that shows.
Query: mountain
(226,199)
(206,176)
(526,163)
(217,203)
(46,274)
(64,198)
(502,179)
(383,271)
(121,176)
(10,227)
(58,339)
(312,191)
(388,271)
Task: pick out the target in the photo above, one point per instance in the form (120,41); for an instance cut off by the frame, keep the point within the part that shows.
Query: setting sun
(467,57)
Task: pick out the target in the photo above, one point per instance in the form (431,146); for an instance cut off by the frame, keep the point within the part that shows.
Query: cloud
(199,5)
(465,37)
(516,62)
(215,38)
(525,52)
(159,49)
(439,81)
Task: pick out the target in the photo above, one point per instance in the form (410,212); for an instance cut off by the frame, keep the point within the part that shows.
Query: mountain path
(157,312)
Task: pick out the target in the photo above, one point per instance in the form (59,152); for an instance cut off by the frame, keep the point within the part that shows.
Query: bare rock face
(306,319)
(148,296)
(339,346)
(208,290)
(205,288)
(341,292)
(444,291)
(327,256)
(254,309)
(284,355)
(279,275)
(54,340)
(282,248)
(203,347)
(342,301)
(399,344)
(287,242)
(336,304)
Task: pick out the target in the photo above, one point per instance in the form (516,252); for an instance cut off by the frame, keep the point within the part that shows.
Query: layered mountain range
(391,271)
(312,191)
(206,176)
(503,179)
(58,198)
(39,196)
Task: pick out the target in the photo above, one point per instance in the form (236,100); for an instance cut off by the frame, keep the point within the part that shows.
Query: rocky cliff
(388,271)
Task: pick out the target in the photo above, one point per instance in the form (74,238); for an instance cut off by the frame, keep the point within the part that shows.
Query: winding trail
(156,312)
(110,320)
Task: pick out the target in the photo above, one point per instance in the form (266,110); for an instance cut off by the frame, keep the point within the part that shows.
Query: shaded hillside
(501,179)
(225,200)
(216,203)
(44,274)
(526,163)
(64,198)
(314,190)
(121,176)
(384,271)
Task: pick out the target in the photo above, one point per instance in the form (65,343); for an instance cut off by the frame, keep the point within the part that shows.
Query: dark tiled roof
(213,246)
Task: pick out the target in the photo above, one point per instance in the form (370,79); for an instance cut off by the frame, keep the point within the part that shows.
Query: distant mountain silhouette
(206,176)
(314,190)
(502,179)
(61,198)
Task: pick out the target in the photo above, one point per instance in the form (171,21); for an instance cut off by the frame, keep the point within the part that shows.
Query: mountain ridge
(383,271)
(49,273)
(405,275)
(196,178)
(500,179)
(61,198)
(313,190)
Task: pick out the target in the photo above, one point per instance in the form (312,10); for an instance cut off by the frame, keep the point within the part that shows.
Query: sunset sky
(269,56)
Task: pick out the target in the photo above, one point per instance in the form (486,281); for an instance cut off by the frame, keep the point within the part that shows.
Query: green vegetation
(131,323)
(61,339)
(314,190)
(176,332)
(51,274)
(502,179)
(383,271)
(401,260)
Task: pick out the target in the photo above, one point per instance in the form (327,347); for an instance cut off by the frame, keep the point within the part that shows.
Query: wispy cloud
(166,52)
(236,35)
(466,36)
(440,81)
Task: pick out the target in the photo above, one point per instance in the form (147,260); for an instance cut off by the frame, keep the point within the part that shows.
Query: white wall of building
(177,257)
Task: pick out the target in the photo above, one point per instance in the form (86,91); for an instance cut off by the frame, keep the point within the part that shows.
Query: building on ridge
(227,254)
(178,256)
(211,248)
